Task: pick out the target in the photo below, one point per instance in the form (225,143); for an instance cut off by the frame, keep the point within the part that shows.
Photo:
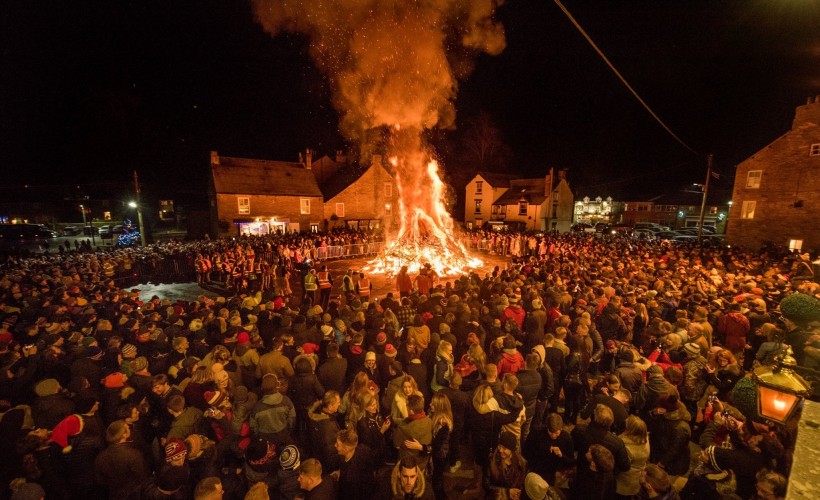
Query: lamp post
(780,389)
(85,225)
(137,205)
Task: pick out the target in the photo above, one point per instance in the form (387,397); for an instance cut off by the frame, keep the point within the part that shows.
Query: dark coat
(48,411)
(529,385)
(121,468)
(304,388)
(332,374)
(669,442)
(322,430)
(584,437)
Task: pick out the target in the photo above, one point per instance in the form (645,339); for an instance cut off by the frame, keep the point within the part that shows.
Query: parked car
(72,231)
(104,230)
(644,234)
(666,235)
(582,227)
(621,228)
(653,226)
(118,229)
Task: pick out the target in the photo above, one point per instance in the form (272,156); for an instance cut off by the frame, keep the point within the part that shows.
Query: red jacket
(510,363)
(734,327)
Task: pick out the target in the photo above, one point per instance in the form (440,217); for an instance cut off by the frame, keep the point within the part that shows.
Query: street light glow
(132,204)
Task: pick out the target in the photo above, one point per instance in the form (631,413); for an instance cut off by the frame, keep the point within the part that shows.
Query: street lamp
(780,389)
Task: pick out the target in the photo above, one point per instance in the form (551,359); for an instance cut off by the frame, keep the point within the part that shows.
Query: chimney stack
(308,158)
(214,158)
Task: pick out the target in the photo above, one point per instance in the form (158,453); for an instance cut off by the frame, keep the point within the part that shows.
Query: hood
(272,399)
(511,356)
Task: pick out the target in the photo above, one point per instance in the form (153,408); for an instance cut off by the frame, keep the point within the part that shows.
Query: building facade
(540,204)
(776,193)
(357,199)
(481,192)
(252,196)
(679,210)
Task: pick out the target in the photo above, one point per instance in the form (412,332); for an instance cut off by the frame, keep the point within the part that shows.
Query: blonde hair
(636,429)
(441,410)
(478,356)
(482,395)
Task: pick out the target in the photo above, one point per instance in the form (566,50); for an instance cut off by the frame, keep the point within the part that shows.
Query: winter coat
(734,327)
(48,411)
(304,388)
(651,391)
(186,423)
(725,379)
(584,437)
(694,379)
(277,363)
(442,373)
(539,457)
(626,483)
(485,424)
(121,468)
(529,386)
(332,374)
(669,435)
(630,376)
(322,429)
(418,427)
(511,361)
(273,417)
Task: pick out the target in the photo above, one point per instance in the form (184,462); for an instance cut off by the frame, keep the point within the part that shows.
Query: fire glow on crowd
(394,69)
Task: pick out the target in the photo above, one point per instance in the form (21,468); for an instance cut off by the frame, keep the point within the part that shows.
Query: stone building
(252,196)
(361,198)
(776,195)
(540,204)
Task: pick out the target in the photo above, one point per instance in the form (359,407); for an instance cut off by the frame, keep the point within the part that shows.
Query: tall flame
(395,64)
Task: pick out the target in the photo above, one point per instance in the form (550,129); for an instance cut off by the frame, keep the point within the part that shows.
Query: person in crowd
(549,449)
(507,469)
(313,483)
(636,440)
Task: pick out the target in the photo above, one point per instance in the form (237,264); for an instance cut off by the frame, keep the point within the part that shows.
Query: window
(388,209)
(747,211)
(479,187)
(796,245)
(314,228)
(244,205)
(388,190)
(340,210)
(814,150)
(304,205)
(478,206)
(753,179)
(522,208)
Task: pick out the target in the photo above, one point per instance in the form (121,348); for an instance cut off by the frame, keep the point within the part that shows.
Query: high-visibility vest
(310,282)
(347,283)
(324,279)
(364,287)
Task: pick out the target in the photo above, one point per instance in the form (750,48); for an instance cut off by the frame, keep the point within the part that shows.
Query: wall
(366,198)
(790,178)
(266,206)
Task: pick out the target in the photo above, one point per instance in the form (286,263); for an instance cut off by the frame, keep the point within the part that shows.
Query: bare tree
(484,143)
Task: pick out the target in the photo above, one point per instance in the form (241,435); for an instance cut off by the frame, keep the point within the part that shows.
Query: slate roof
(532,190)
(497,180)
(340,181)
(263,177)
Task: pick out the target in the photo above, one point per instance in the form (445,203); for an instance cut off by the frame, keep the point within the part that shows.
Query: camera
(712,398)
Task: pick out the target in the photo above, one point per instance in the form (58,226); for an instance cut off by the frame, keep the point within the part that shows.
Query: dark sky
(93,93)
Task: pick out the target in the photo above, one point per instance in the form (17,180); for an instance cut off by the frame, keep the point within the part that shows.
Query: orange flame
(426,233)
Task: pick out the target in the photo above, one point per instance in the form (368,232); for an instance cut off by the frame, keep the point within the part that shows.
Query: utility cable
(623,80)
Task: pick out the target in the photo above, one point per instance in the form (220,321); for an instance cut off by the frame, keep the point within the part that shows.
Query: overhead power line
(623,80)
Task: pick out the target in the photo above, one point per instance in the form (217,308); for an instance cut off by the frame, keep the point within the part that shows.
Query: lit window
(340,210)
(478,206)
(388,190)
(753,179)
(747,211)
(796,245)
(522,208)
(388,209)
(304,205)
(314,228)
(479,187)
(814,150)
(244,205)
(107,215)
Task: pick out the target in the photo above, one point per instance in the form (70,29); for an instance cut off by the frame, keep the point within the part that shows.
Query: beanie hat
(175,449)
(535,486)
(93,351)
(692,349)
(129,351)
(289,458)
(243,338)
(114,380)
(390,351)
(381,338)
(508,440)
(173,478)
(47,387)
(87,341)
(139,364)
(214,398)
(69,426)
(309,348)
(327,330)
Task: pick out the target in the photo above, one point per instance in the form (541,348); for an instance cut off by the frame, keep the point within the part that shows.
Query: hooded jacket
(273,414)
(322,429)
(511,361)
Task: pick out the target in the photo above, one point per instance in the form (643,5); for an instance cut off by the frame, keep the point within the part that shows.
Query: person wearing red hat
(247,358)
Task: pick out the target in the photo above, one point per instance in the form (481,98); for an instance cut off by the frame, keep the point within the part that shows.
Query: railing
(343,251)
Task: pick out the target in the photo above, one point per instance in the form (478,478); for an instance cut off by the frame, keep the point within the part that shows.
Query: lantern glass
(775,405)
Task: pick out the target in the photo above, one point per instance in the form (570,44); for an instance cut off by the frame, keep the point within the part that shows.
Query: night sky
(94,93)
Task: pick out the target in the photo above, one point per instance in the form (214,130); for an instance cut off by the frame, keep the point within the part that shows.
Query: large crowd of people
(586,367)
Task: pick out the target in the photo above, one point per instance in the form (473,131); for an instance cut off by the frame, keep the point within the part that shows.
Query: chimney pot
(308,159)
(214,158)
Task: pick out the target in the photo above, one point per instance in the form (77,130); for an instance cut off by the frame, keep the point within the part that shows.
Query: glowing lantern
(779,389)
